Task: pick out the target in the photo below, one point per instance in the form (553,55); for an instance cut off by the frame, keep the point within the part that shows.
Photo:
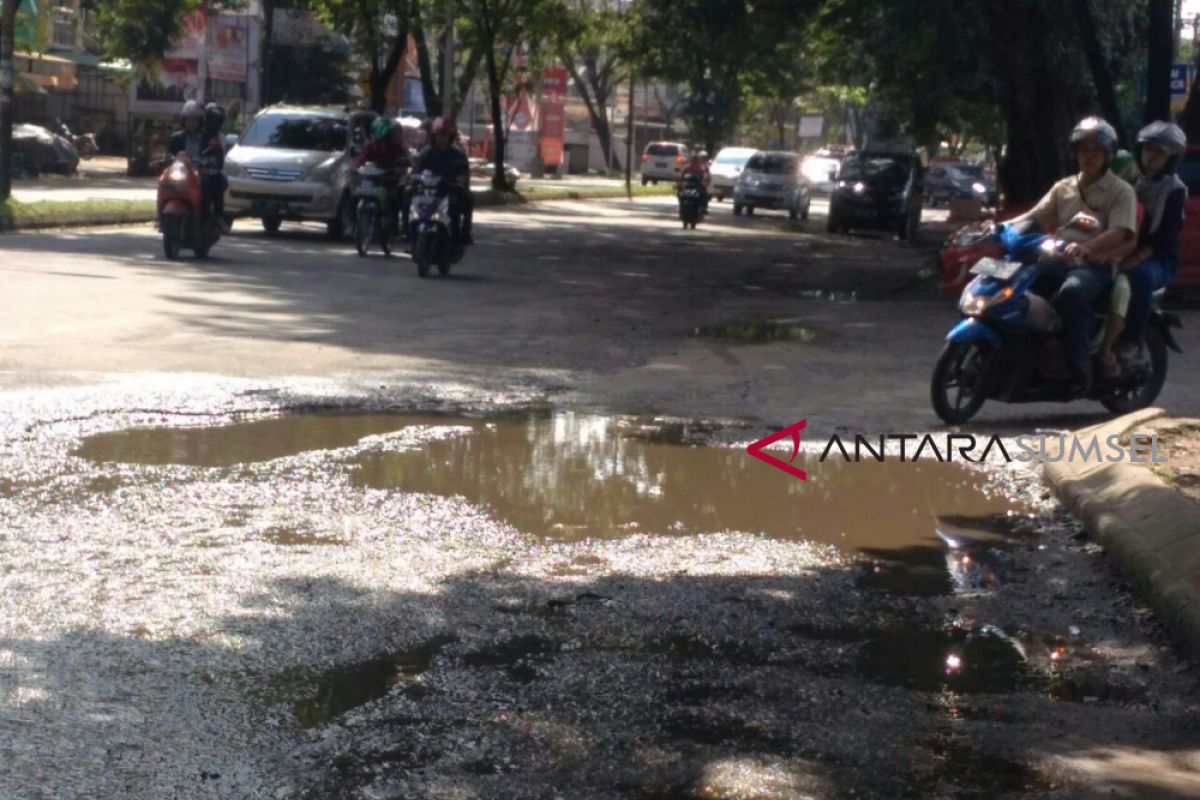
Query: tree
(379,31)
(310,75)
(8,17)
(719,49)
(592,39)
(497,27)
(1158,69)
(466,67)
(140,30)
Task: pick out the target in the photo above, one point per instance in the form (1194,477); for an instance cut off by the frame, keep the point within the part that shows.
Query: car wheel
(645,180)
(737,209)
(833,224)
(271,225)
(793,214)
(342,226)
(804,213)
(749,211)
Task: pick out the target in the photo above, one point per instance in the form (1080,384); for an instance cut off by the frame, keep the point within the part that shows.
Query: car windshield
(772,164)
(880,170)
(1189,173)
(297,132)
(971,171)
(737,159)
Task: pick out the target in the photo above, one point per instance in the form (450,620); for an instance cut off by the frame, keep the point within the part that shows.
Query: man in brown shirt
(1095,190)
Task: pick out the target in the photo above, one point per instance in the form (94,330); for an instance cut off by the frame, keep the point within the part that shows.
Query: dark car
(878,190)
(949,181)
(44,151)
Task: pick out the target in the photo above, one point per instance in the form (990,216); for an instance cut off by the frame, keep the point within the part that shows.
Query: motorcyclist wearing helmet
(389,151)
(1096,191)
(207,153)
(697,165)
(444,159)
(1155,261)
(214,122)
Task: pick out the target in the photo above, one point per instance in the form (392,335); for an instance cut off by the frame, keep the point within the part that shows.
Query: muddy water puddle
(761,331)
(318,697)
(927,527)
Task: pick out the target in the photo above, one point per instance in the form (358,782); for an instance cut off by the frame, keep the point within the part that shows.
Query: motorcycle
(182,217)
(84,143)
(1009,345)
(431,240)
(691,200)
(375,195)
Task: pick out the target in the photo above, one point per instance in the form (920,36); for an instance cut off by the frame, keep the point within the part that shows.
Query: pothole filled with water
(927,527)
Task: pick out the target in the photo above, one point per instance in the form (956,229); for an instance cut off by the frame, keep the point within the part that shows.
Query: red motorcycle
(182,217)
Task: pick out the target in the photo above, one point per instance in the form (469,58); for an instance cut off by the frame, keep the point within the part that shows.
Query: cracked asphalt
(390,592)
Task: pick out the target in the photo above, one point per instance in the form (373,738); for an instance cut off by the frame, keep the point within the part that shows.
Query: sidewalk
(1149,527)
(101,178)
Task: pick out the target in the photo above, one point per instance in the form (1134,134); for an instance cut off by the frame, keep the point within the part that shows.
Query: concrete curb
(1152,531)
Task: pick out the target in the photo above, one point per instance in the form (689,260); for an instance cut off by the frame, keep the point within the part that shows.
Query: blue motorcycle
(1009,344)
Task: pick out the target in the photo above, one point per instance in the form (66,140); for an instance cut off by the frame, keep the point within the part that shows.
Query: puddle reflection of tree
(604,710)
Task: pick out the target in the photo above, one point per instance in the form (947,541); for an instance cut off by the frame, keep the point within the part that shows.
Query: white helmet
(192,109)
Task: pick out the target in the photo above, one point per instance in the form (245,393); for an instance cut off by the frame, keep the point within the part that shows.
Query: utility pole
(448,108)
(8,18)
(1158,71)
(264,78)
(629,139)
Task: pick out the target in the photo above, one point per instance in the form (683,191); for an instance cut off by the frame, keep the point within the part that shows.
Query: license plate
(270,207)
(996,268)
(660,164)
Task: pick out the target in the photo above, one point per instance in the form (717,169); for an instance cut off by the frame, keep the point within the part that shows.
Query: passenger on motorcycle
(1094,190)
(214,122)
(194,140)
(1155,262)
(388,150)
(443,158)
(696,165)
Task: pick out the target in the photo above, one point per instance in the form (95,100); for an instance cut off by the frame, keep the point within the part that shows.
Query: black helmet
(1097,129)
(214,115)
(1169,137)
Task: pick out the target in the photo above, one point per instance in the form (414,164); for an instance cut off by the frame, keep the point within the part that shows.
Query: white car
(818,169)
(726,168)
(296,164)
(663,161)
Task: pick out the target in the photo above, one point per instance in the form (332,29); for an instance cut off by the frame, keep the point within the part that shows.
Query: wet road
(494,579)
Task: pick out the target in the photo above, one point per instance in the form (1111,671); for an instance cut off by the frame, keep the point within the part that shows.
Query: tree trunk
(1102,80)
(595,99)
(8,16)
(381,75)
(433,101)
(499,135)
(1158,72)
(264,83)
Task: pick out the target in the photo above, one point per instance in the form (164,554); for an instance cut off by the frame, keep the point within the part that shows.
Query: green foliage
(310,75)
(139,30)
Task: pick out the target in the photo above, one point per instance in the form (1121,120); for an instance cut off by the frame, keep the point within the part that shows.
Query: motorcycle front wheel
(1130,397)
(959,380)
(423,252)
(364,228)
(172,230)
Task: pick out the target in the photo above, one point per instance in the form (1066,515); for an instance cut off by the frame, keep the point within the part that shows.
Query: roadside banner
(1180,81)
(554,95)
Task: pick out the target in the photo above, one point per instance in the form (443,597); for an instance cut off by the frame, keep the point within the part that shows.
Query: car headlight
(978,188)
(321,172)
(860,187)
(972,305)
(233,169)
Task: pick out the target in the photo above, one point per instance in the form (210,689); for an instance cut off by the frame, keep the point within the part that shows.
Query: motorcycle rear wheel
(1129,399)
(957,388)
(172,230)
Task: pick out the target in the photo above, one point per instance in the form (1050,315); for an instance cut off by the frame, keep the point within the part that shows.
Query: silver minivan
(296,163)
(772,179)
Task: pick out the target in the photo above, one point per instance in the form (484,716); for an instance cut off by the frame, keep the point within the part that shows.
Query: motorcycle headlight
(972,305)
(178,173)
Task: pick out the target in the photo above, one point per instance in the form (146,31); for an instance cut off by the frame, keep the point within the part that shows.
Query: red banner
(554,96)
